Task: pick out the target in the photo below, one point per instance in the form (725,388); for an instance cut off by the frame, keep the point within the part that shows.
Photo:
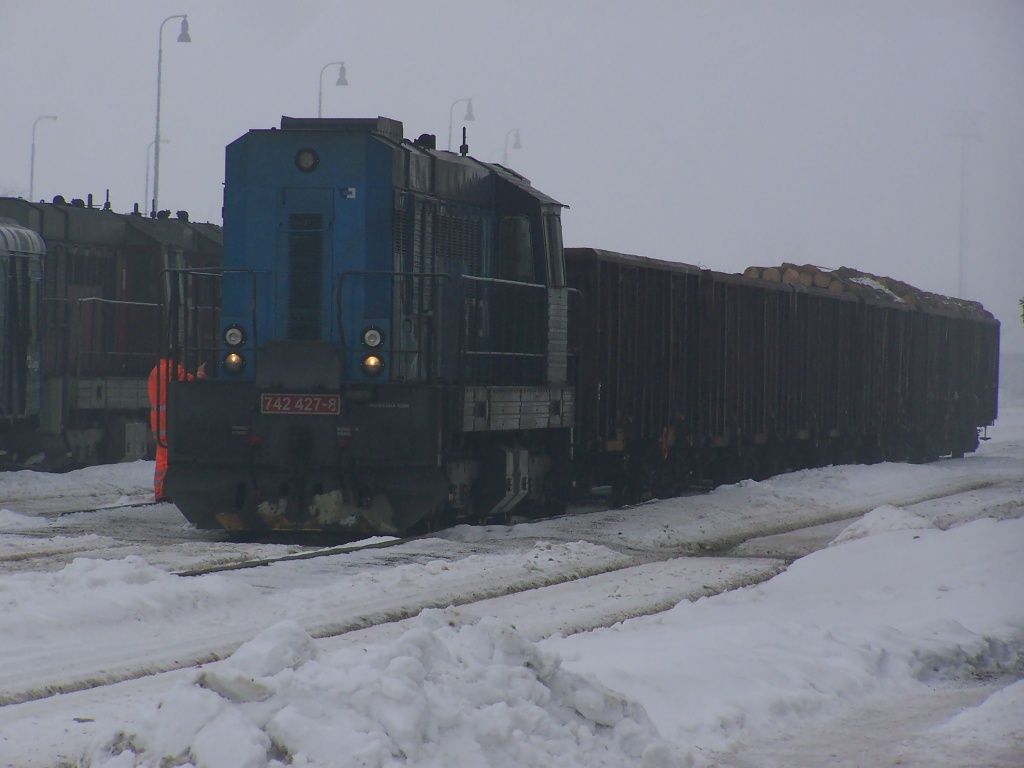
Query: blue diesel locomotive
(385,348)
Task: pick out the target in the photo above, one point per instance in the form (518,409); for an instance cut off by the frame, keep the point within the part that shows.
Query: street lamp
(32,160)
(146,200)
(967,132)
(183,37)
(515,145)
(469,117)
(341,81)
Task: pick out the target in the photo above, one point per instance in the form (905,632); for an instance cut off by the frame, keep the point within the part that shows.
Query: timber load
(869,286)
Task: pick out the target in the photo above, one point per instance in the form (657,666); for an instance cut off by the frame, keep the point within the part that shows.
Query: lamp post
(515,145)
(32,159)
(341,81)
(967,132)
(146,200)
(469,117)
(183,37)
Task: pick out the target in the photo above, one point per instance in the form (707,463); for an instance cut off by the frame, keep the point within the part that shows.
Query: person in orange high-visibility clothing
(156,388)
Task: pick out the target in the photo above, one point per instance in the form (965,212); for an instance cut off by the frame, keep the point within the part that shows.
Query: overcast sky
(716,133)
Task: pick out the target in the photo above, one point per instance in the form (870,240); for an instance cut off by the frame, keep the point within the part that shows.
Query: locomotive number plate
(317,405)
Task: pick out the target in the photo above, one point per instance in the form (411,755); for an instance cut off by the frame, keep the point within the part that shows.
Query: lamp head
(469,110)
(515,140)
(341,75)
(183,36)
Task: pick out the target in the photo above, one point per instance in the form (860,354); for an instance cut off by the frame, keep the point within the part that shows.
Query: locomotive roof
(520,182)
(393,131)
(16,240)
(383,126)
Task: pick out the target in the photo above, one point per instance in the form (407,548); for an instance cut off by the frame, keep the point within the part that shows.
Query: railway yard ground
(854,615)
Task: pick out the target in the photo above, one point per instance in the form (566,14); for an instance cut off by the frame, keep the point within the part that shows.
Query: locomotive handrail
(501,281)
(499,354)
(461,343)
(375,273)
(173,290)
(392,350)
(502,354)
(101,300)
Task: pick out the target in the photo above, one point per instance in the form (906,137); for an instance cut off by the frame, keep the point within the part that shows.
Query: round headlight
(233,362)
(372,365)
(306,160)
(234,336)
(372,337)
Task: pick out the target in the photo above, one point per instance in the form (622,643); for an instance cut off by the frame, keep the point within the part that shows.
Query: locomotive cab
(391,348)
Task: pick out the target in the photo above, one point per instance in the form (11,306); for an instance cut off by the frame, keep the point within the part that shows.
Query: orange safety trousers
(156,388)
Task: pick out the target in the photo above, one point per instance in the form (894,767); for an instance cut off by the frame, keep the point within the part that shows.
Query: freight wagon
(685,373)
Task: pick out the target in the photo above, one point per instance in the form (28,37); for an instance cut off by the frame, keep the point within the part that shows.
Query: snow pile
(13,521)
(446,693)
(107,484)
(874,285)
(103,593)
(890,611)
(995,721)
(882,520)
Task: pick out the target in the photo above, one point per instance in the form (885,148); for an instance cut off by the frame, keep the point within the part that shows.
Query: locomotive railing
(190,332)
(417,312)
(499,327)
(504,331)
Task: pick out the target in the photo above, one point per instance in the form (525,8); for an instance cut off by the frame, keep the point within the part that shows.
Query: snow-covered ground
(842,616)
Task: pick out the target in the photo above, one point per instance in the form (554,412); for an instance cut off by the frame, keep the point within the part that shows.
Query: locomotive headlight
(233,362)
(372,337)
(306,160)
(372,365)
(234,336)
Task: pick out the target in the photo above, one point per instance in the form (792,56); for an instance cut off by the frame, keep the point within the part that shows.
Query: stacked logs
(847,279)
(791,274)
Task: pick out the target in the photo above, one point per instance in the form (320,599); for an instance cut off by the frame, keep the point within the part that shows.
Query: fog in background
(723,134)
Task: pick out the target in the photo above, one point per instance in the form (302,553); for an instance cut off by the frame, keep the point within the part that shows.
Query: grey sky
(719,133)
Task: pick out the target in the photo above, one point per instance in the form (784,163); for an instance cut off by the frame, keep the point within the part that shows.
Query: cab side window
(516,250)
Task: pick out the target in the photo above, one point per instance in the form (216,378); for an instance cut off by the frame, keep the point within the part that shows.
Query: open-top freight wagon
(687,373)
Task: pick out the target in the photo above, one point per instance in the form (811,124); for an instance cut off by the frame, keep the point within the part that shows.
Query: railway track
(356,597)
(437,579)
(326,552)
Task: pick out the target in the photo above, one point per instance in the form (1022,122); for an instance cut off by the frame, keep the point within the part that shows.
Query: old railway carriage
(392,347)
(99,325)
(21,256)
